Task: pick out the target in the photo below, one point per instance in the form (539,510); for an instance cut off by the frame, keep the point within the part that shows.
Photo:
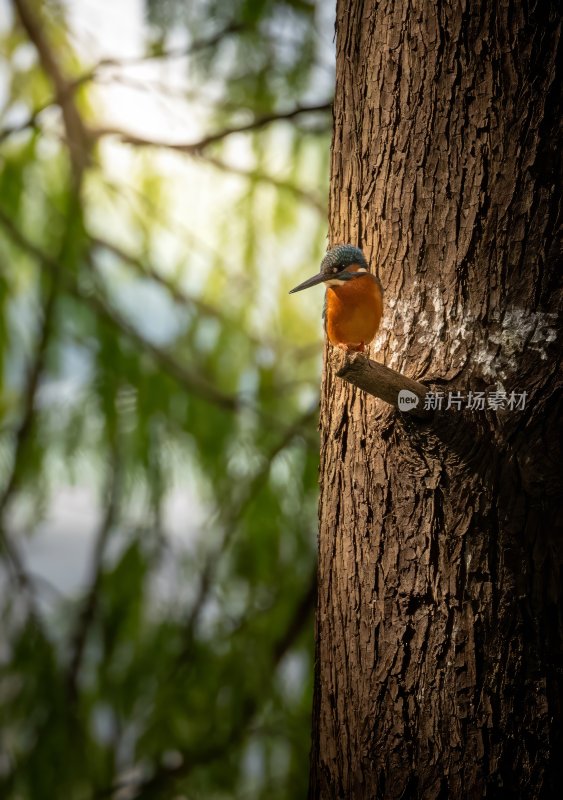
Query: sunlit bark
(439,628)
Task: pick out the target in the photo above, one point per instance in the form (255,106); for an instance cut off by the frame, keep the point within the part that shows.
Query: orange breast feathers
(353,312)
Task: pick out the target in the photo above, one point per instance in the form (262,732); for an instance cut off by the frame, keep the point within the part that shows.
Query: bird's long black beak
(320,277)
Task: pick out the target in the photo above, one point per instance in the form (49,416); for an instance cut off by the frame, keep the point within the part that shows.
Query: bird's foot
(352,347)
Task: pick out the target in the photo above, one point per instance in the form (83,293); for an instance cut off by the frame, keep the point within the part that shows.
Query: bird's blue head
(341,263)
(342,256)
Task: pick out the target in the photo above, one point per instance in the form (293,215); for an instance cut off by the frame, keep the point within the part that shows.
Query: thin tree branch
(206,141)
(381,381)
(177,52)
(185,377)
(22,438)
(25,429)
(29,122)
(146,271)
(77,135)
(154,86)
(261,177)
(89,609)
(173,223)
(301,614)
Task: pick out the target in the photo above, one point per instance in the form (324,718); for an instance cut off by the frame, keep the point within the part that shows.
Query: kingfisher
(353,300)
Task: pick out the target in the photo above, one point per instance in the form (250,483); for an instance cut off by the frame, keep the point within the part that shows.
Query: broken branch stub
(394,388)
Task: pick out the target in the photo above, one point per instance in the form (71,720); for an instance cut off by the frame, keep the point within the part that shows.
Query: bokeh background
(163,183)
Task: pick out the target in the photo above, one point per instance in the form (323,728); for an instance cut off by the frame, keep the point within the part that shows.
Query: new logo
(407,400)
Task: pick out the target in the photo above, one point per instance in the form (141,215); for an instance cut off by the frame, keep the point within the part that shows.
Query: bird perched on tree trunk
(354,297)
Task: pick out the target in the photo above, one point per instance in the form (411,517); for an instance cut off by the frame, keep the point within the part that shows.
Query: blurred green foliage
(150,358)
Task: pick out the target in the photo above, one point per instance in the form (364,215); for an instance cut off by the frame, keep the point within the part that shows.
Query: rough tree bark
(439,629)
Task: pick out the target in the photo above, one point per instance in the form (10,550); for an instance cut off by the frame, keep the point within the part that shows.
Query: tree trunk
(439,630)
